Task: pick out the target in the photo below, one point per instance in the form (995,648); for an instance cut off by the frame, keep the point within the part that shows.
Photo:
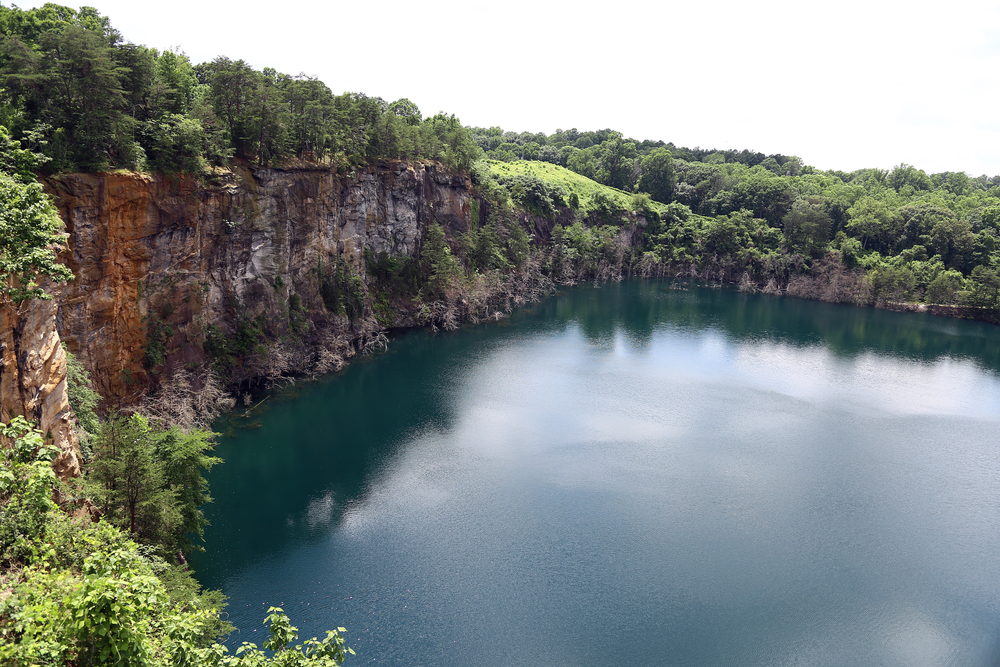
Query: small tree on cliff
(29,228)
(438,264)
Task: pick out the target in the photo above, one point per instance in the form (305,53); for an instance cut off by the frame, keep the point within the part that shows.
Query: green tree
(617,161)
(874,222)
(768,197)
(175,81)
(807,226)
(185,457)
(128,481)
(83,399)
(439,265)
(26,481)
(407,111)
(945,287)
(984,288)
(232,86)
(73,84)
(891,283)
(29,234)
(149,481)
(583,162)
(658,177)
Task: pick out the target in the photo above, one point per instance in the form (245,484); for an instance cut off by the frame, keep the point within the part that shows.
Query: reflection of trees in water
(333,439)
(637,308)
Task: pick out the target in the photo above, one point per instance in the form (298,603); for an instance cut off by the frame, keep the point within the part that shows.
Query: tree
(184,456)
(407,111)
(439,265)
(768,197)
(128,482)
(29,231)
(658,177)
(616,163)
(904,175)
(984,284)
(944,288)
(149,481)
(891,283)
(583,162)
(807,226)
(232,85)
(26,481)
(874,222)
(175,81)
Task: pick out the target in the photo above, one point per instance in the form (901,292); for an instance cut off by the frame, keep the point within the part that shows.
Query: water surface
(632,475)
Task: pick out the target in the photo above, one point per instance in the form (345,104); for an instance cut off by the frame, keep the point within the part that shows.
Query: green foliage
(29,233)
(19,162)
(330,651)
(984,288)
(184,457)
(945,287)
(658,177)
(342,289)
(807,226)
(128,482)
(91,596)
(85,594)
(437,262)
(83,399)
(561,180)
(616,164)
(158,335)
(396,275)
(891,283)
(227,350)
(516,245)
(579,251)
(186,594)
(538,196)
(175,142)
(26,482)
(149,481)
(482,249)
(296,313)
(605,208)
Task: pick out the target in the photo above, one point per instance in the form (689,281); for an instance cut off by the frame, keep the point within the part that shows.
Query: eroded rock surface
(33,378)
(173,254)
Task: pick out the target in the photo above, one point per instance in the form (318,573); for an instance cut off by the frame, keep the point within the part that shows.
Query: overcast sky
(843,85)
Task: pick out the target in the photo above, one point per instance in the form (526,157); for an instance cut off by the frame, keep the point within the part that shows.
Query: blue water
(632,475)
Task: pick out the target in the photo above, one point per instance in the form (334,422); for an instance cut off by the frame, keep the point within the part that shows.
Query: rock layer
(168,255)
(33,378)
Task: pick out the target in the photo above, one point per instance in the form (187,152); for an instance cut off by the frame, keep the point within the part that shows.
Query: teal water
(632,475)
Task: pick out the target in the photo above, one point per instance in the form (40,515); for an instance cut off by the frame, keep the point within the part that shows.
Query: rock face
(33,378)
(164,257)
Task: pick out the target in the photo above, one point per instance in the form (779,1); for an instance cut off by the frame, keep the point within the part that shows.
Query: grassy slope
(570,181)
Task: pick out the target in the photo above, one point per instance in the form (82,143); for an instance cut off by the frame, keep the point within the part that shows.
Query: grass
(570,181)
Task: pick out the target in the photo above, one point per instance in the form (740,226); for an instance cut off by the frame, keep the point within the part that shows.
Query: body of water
(634,475)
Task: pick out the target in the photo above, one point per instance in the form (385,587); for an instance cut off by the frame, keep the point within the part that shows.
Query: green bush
(26,482)
(342,290)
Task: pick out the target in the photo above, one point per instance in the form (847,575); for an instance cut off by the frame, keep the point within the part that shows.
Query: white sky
(843,85)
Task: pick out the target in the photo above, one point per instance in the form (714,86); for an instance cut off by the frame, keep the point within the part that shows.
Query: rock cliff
(33,378)
(164,257)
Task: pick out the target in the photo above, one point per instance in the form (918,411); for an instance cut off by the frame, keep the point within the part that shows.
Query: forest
(76,92)
(76,96)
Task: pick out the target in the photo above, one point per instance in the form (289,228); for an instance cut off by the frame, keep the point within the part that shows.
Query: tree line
(915,236)
(73,89)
